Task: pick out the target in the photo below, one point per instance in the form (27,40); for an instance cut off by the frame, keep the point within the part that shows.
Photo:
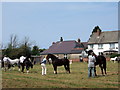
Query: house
(0,54)
(72,49)
(105,42)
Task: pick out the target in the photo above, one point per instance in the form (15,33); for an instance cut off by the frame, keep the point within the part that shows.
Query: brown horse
(58,62)
(101,61)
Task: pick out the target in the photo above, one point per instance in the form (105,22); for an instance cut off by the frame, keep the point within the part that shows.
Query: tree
(12,48)
(35,50)
(13,51)
(25,47)
(96,28)
(41,50)
(13,41)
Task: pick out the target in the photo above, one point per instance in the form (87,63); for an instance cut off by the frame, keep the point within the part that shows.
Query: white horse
(9,63)
(113,59)
(14,61)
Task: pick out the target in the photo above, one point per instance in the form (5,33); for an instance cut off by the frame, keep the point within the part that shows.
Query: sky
(46,22)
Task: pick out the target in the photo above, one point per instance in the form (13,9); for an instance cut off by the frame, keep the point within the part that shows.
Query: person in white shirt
(43,65)
(91,64)
(22,58)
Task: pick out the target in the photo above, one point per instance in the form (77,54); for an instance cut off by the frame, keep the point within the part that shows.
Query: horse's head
(48,57)
(51,56)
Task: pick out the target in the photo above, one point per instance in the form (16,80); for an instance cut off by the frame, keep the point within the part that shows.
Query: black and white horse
(26,63)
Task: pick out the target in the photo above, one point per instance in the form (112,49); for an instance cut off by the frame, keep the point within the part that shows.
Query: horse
(10,63)
(58,62)
(26,63)
(101,61)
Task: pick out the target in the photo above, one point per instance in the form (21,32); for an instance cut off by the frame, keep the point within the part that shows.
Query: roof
(85,44)
(104,37)
(64,47)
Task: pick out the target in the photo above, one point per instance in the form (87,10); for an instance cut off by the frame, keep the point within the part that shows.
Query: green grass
(76,79)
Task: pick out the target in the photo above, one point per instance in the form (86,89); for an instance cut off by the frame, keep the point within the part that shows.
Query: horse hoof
(105,74)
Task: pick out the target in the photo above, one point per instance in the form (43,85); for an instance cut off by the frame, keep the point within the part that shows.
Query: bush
(114,55)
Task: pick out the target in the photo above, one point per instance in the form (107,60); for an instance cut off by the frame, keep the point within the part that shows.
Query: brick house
(72,49)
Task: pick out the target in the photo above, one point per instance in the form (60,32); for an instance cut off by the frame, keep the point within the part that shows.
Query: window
(91,46)
(100,46)
(112,46)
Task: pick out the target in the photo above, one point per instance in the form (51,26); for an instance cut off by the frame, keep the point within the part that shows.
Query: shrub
(114,55)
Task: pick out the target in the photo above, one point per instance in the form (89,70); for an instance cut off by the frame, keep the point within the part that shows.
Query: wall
(105,47)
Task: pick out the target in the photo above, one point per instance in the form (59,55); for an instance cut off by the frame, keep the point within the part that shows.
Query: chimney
(53,43)
(79,40)
(61,39)
(98,32)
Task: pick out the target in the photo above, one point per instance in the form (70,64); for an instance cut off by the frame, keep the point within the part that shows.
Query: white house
(106,41)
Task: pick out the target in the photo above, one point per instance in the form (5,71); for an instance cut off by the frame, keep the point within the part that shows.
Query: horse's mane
(53,56)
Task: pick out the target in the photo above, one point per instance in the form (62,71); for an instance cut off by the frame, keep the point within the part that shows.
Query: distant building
(105,42)
(0,54)
(72,49)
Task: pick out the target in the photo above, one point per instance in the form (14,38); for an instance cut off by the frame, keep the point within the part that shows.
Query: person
(91,64)
(81,59)
(43,65)
(22,58)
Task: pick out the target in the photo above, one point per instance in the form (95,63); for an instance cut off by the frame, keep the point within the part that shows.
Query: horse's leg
(18,66)
(68,68)
(65,66)
(101,69)
(27,68)
(13,67)
(23,67)
(55,69)
(5,68)
(9,66)
(95,71)
(104,67)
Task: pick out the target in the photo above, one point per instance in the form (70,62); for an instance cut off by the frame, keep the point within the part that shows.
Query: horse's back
(60,62)
(14,61)
(100,60)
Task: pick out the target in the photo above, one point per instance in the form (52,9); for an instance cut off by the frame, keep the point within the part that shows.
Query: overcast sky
(45,23)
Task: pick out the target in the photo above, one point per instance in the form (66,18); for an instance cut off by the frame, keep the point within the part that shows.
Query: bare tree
(13,41)
(26,42)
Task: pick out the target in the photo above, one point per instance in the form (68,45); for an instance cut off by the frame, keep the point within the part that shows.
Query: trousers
(91,71)
(43,69)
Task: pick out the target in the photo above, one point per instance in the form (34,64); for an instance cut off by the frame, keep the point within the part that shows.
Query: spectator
(43,65)
(81,59)
(91,64)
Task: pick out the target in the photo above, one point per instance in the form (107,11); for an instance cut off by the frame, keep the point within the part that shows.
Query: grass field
(76,79)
